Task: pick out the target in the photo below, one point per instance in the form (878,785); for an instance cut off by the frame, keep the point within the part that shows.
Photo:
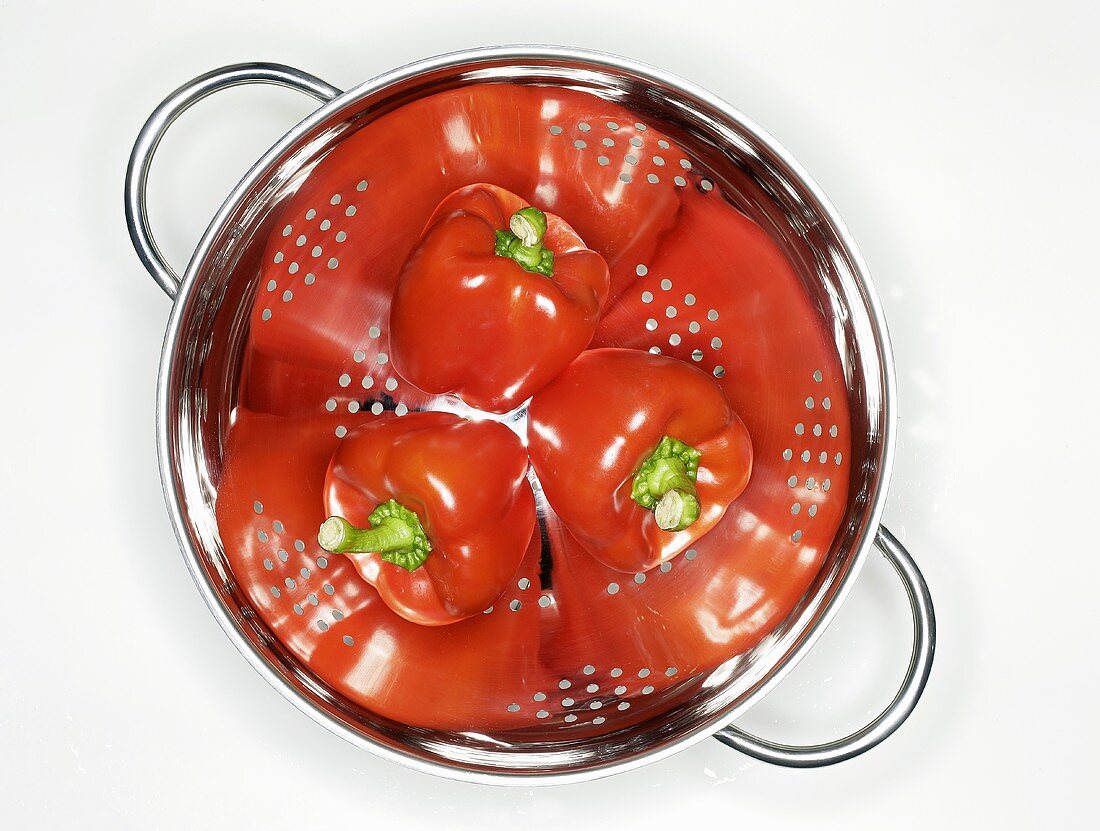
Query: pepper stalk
(396,535)
(522,242)
(665,484)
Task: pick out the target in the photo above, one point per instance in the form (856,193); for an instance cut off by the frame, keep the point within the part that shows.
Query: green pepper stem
(676,510)
(529,224)
(523,242)
(665,484)
(341,537)
(395,534)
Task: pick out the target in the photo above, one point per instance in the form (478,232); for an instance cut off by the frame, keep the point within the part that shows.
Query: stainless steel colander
(566,702)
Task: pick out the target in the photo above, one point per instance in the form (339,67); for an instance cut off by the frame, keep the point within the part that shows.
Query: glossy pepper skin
(495,300)
(622,433)
(269,506)
(434,511)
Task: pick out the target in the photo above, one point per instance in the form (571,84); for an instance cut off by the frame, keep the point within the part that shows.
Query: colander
(596,682)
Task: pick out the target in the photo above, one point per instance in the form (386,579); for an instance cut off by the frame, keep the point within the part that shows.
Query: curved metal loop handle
(137,171)
(890,719)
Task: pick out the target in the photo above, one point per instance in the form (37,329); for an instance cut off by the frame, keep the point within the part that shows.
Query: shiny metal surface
(201,366)
(895,714)
(141,157)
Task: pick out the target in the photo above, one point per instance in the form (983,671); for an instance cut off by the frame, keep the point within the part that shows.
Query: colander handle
(890,719)
(137,171)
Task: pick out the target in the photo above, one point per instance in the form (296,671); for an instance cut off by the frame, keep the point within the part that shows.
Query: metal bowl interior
(201,367)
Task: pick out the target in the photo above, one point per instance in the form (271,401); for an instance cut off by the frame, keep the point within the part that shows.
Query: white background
(959,142)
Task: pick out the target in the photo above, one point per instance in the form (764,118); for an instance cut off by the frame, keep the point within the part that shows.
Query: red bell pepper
(434,511)
(638,454)
(495,300)
(340,240)
(269,505)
